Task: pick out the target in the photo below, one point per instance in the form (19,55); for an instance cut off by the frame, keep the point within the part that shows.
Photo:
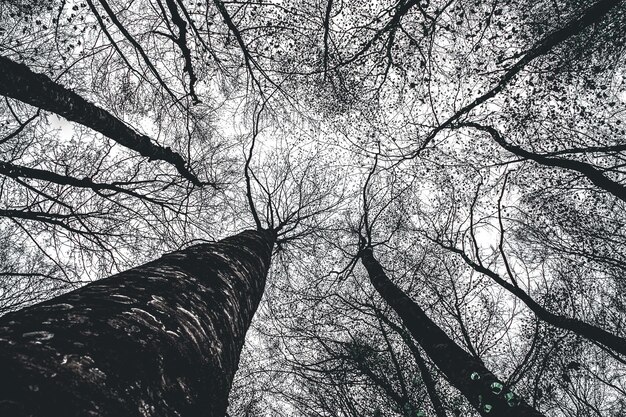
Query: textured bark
(162,339)
(460,367)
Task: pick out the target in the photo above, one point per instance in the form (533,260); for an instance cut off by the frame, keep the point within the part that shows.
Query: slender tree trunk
(162,339)
(429,382)
(427,379)
(467,373)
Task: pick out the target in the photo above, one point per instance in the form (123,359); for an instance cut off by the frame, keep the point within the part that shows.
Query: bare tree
(163,337)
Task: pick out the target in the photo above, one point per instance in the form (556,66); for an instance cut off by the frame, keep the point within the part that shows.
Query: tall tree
(467,373)
(163,338)
(448,95)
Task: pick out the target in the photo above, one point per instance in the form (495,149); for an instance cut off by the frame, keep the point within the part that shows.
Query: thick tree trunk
(162,339)
(468,374)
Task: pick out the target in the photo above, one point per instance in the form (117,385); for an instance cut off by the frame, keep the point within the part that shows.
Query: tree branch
(181,41)
(592,15)
(593,174)
(18,171)
(19,82)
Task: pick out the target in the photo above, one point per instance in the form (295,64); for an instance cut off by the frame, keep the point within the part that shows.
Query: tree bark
(467,373)
(161,339)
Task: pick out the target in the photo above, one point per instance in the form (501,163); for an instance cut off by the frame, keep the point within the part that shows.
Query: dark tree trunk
(162,339)
(467,373)
(429,383)
(427,379)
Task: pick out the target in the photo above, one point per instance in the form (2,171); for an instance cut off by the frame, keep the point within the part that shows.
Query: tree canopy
(472,153)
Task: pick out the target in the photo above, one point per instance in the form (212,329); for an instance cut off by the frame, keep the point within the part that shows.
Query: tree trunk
(468,374)
(429,383)
(162,339)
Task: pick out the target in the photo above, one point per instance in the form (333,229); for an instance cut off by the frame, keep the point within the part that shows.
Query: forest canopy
(444,183)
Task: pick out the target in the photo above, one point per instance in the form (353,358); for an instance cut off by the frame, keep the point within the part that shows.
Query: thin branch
(326,24)
(18,171)
(255,132)
(591,332)
(53,219)
(366,223)
(593,174)
(181,41)
(137,46)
